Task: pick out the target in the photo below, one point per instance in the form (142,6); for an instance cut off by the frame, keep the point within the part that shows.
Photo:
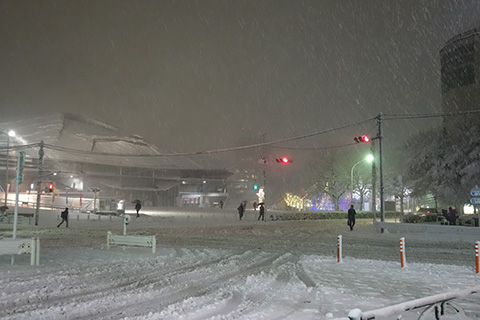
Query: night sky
(202,75)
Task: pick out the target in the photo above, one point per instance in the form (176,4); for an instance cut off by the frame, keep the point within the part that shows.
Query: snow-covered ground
(210,265)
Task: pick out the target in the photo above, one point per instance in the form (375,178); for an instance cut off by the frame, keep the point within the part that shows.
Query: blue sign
(475,200)
(475,193)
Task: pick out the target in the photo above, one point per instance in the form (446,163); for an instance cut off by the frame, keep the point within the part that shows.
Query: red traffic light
(363,138)
(283,160)
(50,187)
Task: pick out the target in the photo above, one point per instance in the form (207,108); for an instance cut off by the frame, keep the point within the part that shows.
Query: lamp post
(369,158)
(9,134)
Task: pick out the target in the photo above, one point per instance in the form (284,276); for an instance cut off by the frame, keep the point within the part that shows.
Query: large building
(460,74)
(86,158)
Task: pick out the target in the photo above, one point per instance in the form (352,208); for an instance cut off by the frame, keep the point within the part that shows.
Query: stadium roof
(72,137)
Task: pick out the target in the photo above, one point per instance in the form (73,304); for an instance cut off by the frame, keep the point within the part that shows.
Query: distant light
(11,133)
(54,173)
(32,186)
(71,176)
(184,182)
(204,181)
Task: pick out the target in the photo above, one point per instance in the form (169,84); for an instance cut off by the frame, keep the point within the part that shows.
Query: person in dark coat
(138,206)
(452,216)
(240,210)
(351,217)
(261,212)
(64,216)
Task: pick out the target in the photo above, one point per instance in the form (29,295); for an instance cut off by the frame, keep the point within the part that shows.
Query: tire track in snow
(201,286)
(58,298)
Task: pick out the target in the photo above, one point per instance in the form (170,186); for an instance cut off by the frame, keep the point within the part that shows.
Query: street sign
(475,192)
(475,200)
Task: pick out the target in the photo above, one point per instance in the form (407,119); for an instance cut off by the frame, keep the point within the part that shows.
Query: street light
(369,158)
(9,134)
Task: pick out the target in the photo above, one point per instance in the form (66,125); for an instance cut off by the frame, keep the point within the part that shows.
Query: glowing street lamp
(9,134)
(369,158)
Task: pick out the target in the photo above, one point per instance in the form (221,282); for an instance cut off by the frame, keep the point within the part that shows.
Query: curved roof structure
(77,138)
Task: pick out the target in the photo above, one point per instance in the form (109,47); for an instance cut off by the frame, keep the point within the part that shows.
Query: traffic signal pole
(39,181)
(374,183)
(382,207)
(264,156)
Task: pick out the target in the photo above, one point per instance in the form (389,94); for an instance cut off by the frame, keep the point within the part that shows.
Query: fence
(437,305)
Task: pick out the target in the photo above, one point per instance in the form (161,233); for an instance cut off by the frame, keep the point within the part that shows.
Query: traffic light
(363,138)
(50,187)
(255,186)
(284,160)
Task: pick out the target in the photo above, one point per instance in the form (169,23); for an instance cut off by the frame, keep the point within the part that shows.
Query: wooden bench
(138,241)
(22,246)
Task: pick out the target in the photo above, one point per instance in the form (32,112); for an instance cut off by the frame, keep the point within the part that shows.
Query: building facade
(460,72)
(84,159)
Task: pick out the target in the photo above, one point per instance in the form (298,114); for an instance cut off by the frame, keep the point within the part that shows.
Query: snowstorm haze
(202,75)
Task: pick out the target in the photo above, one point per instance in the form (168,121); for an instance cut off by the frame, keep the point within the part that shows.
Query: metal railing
(437,306)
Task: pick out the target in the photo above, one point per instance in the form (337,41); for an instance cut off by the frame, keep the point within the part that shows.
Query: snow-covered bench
(139,241)
(22,246)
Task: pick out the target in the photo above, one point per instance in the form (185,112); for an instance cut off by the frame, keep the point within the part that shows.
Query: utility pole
(39,181)
(374,183)
(264,157)
(382,206)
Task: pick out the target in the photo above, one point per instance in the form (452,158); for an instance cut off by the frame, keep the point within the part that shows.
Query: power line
(263,144)
(208,152)
(428,115)
(313,148)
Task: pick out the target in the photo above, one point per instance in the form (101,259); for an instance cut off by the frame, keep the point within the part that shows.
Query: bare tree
(331,178)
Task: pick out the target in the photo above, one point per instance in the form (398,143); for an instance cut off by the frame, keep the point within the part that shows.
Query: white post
(339,248)
(35,252)
(126,220)
(108,239)
(402,252)
(37,260)
(32,252)
(477,262)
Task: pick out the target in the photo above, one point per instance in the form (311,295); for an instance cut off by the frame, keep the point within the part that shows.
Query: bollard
(339,248)
(78,217)
(88,216)
(99,217)
(477,262)
(402,252)
(35,252)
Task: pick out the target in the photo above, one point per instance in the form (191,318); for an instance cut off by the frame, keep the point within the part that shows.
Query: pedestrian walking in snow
(351,217)
(255,205)
(261,212)
(138,206)
(64,216)
(240,210)
(452,216)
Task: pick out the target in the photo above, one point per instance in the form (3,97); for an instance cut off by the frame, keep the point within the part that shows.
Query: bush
(322,215)
(413,218)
